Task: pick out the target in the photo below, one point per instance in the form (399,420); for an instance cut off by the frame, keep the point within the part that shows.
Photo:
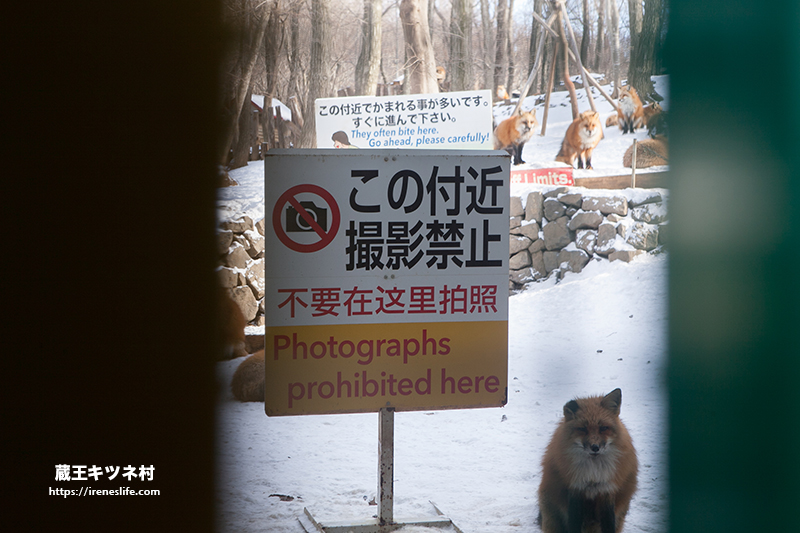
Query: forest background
(299,50)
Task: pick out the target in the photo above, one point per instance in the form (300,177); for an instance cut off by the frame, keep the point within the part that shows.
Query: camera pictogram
(296,223)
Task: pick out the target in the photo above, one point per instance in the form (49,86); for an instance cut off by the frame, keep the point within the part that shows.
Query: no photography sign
(386,280)
(296,220)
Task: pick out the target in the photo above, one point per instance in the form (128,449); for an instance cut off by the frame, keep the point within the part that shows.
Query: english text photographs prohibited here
(303,217)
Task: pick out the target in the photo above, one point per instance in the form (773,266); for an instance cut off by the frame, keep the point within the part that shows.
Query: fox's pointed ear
(570,408)
(612,401)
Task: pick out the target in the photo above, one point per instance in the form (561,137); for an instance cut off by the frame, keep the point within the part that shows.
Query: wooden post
(264,128)
(279,127)
(633,166)
(550,83)
(588,76)
(269,138)
(577,56)
(536,63)
(254,147)
(573,98)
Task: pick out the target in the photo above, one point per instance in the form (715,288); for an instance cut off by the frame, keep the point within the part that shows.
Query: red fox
(589,469)
(232,326)
(631,113)
(649,111)
(649,153)
(512,134)
(500,93)
(581,139)
(247,384)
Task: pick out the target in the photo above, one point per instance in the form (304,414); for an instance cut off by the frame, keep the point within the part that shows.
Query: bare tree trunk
(242,86)
(273,42)
(431,13)
(536,35)
(461,77)
(643,58)
(319,70)
(635,22)
(501,48)
(599,55)
(537,63)
(586,38)
(243,140)
(486,26)
(512,67)
(295,66)
(420,66)
(614,40)
(369,60)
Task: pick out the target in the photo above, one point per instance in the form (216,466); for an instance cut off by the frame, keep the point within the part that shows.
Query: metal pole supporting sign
(433,335)
(384,521)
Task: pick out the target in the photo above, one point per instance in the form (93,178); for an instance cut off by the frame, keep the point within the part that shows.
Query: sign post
(386,290)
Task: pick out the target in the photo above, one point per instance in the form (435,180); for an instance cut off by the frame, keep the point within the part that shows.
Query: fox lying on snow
(248,381)
(589,469)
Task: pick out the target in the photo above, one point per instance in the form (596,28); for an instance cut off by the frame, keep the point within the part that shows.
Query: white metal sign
(387,280)
(453,120)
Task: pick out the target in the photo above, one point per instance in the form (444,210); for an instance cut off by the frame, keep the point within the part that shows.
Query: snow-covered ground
(540,152)
(592,332)
(587,334)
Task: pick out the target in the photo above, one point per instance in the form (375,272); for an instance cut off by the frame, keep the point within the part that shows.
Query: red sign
(306,218)
(544,176)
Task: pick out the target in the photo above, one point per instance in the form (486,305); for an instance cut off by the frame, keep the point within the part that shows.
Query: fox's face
(627,93)
(526,123)
(591,432)
(592,426)
(590,124)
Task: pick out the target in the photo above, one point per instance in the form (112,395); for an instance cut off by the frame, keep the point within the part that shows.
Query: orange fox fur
(247,384)
(612,120)
(581,139)
(630,111)
(512,134)
(232,324)
(501,92)
(650,110)
(589,469)
(649,153)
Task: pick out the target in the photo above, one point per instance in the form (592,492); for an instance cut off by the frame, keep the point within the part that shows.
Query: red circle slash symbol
(309,218)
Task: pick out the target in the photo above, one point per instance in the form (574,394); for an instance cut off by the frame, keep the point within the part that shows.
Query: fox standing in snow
(512,134)
(581,139)
(630,111)
(589,469)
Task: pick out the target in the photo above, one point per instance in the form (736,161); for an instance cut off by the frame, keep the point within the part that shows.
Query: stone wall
(241,270)
(562,229)
(551,232)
